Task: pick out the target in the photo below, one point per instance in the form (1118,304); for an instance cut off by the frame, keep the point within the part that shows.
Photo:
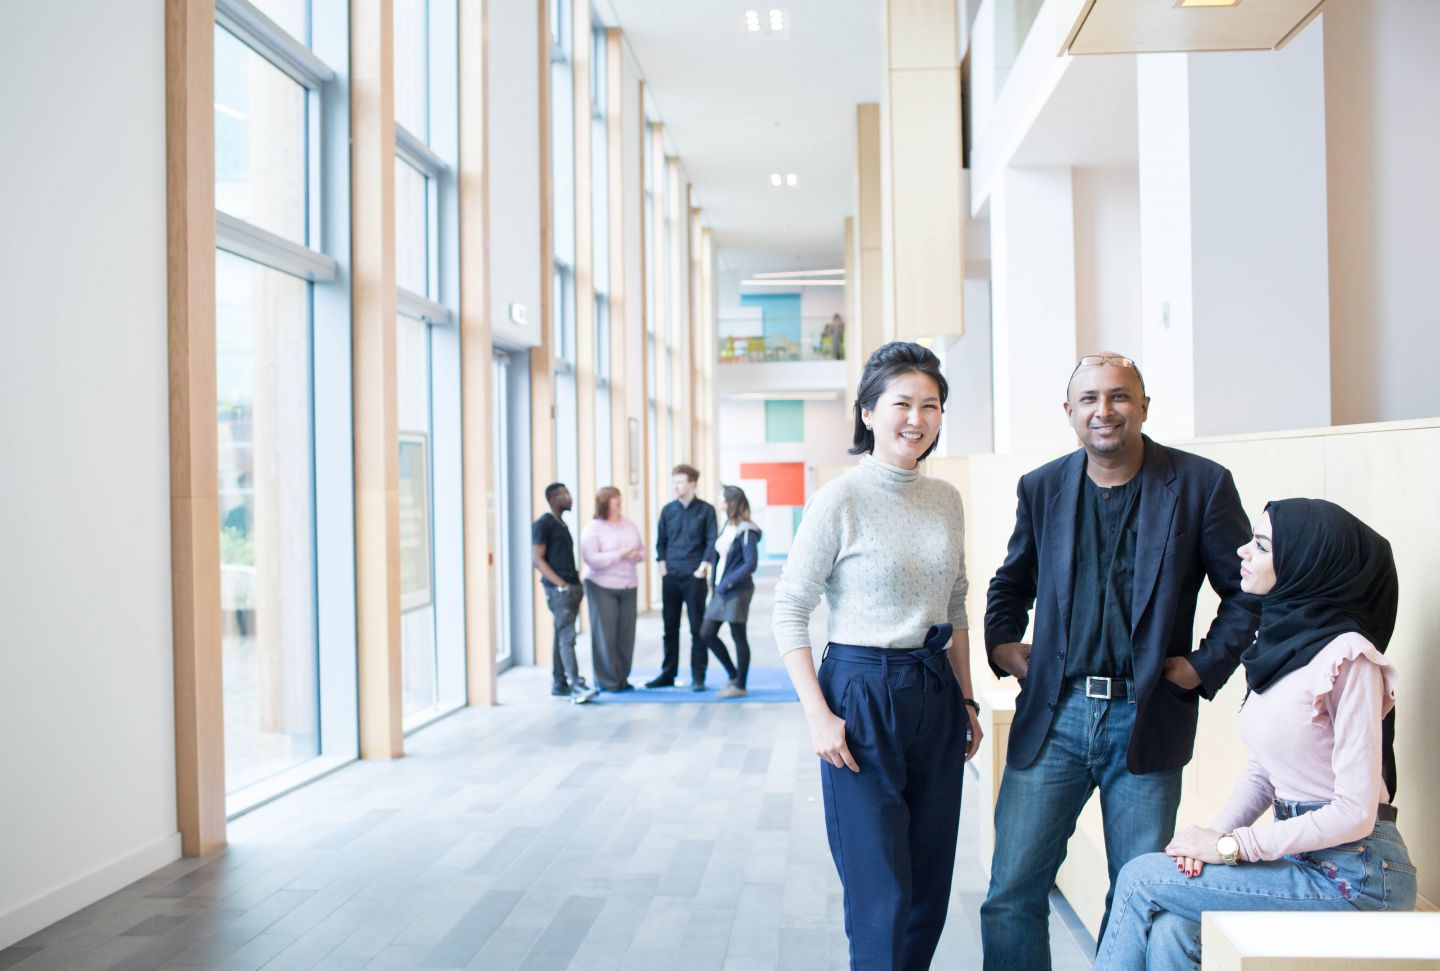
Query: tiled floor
(535,835)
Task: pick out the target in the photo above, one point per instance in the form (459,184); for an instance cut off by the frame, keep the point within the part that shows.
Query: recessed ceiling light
(792,179)
(774,178)
(1206,3)
(777,20)
(752,21)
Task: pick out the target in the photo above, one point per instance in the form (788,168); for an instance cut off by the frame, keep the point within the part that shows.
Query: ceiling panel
(1156,26)
(738,107)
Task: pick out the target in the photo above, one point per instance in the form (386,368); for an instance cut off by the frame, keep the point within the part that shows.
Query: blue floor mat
(763,684)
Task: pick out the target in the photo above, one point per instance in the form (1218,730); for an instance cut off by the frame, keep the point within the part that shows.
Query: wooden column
(476,361)
(194,463)
(649,508)
(542,365)
(921,167)
(585,488)
(679,329)
(620,335)
(870,262)
(377,503)
(852,314)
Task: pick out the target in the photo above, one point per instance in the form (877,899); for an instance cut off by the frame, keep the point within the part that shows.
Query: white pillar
(1032,257)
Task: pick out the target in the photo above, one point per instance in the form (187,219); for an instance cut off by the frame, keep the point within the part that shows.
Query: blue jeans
(892,826)
(1036,813)
(1156,924)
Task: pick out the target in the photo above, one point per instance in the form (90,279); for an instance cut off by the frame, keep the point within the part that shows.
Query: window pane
(262,337)
(411,67)
(602,338)
(411,211)
(420,687)
(259,140)
(292,15)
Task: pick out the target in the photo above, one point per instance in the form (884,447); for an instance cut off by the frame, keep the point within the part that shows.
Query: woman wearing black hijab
(1318,719)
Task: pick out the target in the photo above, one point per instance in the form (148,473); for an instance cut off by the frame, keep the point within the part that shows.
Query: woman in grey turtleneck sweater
(889,711)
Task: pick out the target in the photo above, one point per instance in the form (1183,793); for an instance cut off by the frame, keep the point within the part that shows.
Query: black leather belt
(1386,813)
(1107,689)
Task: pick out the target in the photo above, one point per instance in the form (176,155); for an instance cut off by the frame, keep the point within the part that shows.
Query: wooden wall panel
(584,194)
(542,364)
(476,361)
(377,477)
(194,464)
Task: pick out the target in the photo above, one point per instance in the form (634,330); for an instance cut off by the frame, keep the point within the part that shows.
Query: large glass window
(412,67)
(262,337)
(261,171)
(426,349)
(412,231)
(267,102)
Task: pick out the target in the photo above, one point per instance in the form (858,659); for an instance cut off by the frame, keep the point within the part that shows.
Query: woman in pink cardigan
(610,547)
(1318,719)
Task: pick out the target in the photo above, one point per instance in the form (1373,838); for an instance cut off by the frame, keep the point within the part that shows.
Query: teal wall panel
(784,421)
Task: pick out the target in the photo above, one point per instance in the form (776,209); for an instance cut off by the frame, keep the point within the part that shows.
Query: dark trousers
(687,591)
(892,825)
(612,634)
(564,608)
(739,669)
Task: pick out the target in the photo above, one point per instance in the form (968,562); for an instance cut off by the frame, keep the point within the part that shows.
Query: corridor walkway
(537,835)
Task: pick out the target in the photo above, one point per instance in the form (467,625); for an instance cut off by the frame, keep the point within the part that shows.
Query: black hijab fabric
(1333,575)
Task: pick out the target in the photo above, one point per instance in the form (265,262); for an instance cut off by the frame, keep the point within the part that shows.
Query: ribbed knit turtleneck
(886,547)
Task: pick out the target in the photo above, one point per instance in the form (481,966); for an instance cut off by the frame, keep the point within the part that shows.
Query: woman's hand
(827,737)
(975,732)
(1192,848)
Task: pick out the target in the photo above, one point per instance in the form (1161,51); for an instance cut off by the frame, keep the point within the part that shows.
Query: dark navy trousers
(892,825)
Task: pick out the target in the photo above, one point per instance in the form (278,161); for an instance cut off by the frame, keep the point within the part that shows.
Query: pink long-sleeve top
(603,546)
(1314,736)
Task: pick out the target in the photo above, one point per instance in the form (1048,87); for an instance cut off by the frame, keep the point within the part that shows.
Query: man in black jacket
(1111,544)
(683,546)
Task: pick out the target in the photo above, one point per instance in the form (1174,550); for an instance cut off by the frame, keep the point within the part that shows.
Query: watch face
(1228,846)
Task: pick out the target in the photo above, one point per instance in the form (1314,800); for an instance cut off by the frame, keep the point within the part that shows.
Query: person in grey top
(889,710)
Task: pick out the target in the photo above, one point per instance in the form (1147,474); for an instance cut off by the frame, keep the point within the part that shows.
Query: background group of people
(1110,546)
(706,574)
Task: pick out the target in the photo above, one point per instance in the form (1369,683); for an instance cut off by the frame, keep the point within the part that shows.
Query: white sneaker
(583,695)
(730,691)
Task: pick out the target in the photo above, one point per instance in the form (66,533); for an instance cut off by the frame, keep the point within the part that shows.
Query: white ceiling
(738,107)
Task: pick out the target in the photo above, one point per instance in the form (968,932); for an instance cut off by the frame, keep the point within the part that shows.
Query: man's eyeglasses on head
(1095,360)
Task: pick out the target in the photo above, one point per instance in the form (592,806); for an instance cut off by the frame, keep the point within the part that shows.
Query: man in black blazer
(1110,546)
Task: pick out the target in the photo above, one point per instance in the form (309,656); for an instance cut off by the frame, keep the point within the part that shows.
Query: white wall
(1258,197)
(969,413)
(1032,253)
(86,686)
(513,143)
(1107,259)
(1382,102)
(828,431)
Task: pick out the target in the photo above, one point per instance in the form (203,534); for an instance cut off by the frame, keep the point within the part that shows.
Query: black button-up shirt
(686,536)
(1104,578)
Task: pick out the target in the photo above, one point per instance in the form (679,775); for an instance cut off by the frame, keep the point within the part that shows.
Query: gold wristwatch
(1229,849)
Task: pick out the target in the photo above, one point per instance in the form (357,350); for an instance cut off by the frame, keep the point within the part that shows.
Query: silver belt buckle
(1091,693)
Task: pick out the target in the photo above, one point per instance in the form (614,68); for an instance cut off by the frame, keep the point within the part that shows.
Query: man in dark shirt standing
(686,537)
(1111,544)
(553,552)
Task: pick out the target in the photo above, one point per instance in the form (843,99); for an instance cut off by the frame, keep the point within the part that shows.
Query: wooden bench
(1298,941)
